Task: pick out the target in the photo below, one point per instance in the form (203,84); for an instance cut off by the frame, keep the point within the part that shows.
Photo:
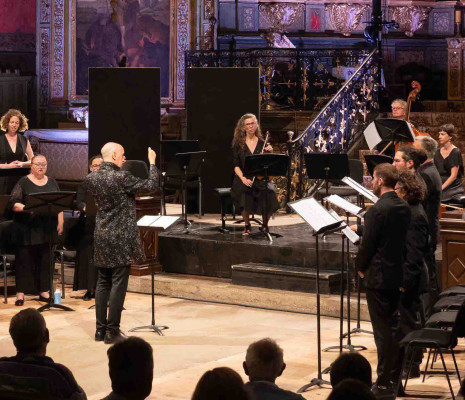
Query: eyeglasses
(397,108)
(40,164)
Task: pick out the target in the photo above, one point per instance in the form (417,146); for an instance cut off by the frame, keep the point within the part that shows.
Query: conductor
(116,238)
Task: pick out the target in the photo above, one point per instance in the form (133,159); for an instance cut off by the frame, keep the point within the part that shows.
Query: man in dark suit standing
(379,261)
(116,237)
(431,204)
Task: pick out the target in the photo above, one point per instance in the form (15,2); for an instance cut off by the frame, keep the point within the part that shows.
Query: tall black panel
(124,107)
(215,99)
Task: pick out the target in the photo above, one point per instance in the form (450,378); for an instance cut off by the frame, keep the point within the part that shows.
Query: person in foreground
(263,364)
(31,337)
(351,366)
(379,261)
(117,241)
(31,233)
(448,160)
(250,195)
(351,389)
(221,383)
(130,363)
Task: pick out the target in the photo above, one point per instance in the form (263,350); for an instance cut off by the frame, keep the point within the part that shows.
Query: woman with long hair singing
(248,194)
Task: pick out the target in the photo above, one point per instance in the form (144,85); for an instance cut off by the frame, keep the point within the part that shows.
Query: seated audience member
(351,366)
(263,364)
(31,366)
(351,389)
(131,369)
(220,384)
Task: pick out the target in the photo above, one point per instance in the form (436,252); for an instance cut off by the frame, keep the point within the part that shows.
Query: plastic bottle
(57,296)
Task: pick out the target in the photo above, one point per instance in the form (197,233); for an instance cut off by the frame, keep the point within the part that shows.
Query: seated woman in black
(85,273)
(448,161)
(248,194)
(32,233)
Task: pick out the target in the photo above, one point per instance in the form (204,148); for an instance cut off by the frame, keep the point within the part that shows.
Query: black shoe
(401,391)
(44,299)
(19,302)
(99,335)
(414,372)
(383,392)
(114,337)
(88,296)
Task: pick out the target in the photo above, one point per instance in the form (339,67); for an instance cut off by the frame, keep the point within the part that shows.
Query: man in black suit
(380,260)
(430,175)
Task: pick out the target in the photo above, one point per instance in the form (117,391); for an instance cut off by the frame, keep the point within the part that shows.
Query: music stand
(266,165)
(154,224)
(372,160)
(326,166)
(388,130)
(50,203)
(191,165)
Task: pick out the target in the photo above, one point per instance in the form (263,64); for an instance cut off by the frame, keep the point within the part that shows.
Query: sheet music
(360,189)
(314,214)
(372,136)
(157,221)
(344,204)
(349,233)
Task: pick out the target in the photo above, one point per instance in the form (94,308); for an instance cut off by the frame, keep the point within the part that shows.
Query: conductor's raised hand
(152,156)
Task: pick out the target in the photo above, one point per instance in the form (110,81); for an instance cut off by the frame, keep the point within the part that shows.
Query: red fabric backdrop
(17,15)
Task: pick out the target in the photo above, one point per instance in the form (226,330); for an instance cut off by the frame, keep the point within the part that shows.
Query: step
(285,277)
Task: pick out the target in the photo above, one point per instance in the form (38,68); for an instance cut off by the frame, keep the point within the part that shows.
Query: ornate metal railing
(338,126)
(298,79)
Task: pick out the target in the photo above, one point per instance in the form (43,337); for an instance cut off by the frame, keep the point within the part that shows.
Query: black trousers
(382,306)
(110,293)
(33,269)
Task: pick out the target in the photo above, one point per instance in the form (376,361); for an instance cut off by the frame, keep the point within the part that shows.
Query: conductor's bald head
(114,153)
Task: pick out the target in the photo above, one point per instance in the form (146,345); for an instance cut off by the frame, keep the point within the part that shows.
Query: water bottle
(57,296)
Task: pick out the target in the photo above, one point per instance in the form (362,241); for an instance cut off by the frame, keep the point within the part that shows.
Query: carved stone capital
(346,17)
(281,15)
(455,43)
(410,18)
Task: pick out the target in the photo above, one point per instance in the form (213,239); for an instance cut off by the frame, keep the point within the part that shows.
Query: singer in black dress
(249,195)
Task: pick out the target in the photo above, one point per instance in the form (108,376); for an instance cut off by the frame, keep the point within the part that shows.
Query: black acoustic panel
(124,107)
(215,99)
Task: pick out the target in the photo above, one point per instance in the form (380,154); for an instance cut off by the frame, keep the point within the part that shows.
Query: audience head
(408,157)
(13,121)
(29,332)
(248,123)
(399,108)
(264,361)
(384,177)
(411,188)
(131,368)
(114,153)
(447,134)
(351,389)
(38,166)
(427,144)
(351,366)
(220,384)
(94,163)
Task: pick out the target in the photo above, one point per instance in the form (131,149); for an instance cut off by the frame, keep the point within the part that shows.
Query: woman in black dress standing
(248,194)
(448,161)
(15,149)
(85,273)
(32,233)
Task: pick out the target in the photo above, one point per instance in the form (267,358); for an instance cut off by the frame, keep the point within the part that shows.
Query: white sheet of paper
(360,189)
(349,233)
(372,136)
(157,221)
(344,204)
(313,213)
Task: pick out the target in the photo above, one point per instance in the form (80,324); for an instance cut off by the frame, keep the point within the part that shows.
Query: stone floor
(201,336)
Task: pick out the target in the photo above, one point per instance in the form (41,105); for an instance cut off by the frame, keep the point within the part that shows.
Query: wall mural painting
(140,37)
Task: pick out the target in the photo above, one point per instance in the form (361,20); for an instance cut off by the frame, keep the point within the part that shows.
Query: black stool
(224,194)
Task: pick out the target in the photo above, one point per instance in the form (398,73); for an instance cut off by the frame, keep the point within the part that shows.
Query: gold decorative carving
(281,15)
(346,17)
(58,63)
(410,18)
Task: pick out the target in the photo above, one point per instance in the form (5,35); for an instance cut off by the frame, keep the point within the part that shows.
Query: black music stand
(390,130)
(372,160)
(155,229)
(266,165)
(50,203)
(191,165)
(327,166)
